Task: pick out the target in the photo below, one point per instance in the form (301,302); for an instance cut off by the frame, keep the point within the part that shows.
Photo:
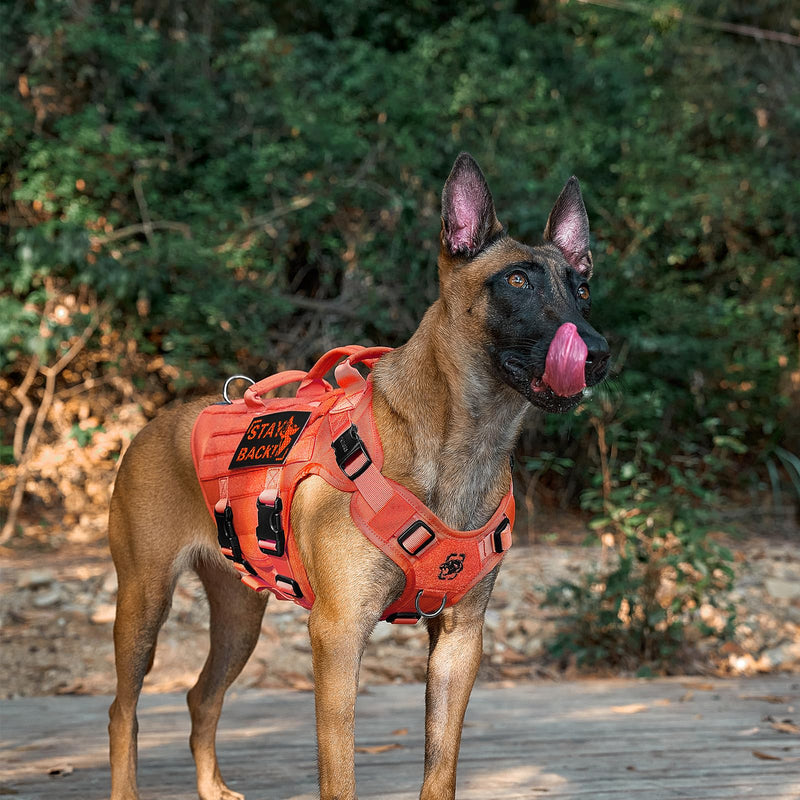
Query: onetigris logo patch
(268,439)
(451,567)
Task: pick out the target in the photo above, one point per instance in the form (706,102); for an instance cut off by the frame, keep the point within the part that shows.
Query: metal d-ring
(426,614)
(228,382)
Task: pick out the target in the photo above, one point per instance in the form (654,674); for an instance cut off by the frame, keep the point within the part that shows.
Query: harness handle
(348,377)
(252,395)
(313,383)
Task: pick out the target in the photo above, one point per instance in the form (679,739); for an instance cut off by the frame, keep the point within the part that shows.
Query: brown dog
(448,405)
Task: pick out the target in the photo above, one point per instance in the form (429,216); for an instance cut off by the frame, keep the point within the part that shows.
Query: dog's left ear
(568,228)
(468,217)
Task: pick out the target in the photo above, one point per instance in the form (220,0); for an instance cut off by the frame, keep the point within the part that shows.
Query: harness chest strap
(430,553)
(440,564)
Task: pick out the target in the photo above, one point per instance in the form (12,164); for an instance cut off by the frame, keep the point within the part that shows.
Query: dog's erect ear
(468,216)
(568,228)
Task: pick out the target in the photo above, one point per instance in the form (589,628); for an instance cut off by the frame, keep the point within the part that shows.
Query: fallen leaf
(766,756)
(785,726)
(76,687)
(633,708)
(765,698)
(61,770)
(400,732)
(749,732)
(700,687)
(378,748)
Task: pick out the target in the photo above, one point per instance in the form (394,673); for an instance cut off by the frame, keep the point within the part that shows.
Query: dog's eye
(518,280)
(583,292)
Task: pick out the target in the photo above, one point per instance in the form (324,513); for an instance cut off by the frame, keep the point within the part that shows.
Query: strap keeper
(345,447)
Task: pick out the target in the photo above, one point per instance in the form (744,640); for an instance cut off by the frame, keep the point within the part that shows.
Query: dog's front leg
(456,645)
(337,642)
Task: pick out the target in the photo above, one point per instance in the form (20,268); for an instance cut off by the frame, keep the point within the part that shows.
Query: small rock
(382,632)
(104,613)
(110,584)
(784,654)
(492,619)
(35,578)
(782,589)
(48,598)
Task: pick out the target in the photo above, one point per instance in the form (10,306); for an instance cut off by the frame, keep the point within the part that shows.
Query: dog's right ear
(468,217)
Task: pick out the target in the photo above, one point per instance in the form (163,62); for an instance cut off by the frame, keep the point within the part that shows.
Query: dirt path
(57,608)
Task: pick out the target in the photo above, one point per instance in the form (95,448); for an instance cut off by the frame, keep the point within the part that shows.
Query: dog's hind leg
(236,614)
(142,607)
(456,645)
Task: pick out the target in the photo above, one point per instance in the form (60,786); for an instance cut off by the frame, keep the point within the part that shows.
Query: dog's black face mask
(538,336)
(540,342)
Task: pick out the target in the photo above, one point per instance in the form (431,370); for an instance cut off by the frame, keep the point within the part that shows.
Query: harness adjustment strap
(347,446)
(255,583)
(269,531)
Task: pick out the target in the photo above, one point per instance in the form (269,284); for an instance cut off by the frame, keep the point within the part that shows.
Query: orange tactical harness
(251,454)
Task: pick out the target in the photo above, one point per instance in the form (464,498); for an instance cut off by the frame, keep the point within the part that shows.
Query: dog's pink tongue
(565,367)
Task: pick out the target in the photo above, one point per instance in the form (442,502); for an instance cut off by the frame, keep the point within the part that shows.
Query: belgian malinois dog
(449,405)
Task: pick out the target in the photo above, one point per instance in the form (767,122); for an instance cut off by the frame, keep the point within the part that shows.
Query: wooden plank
(667,738)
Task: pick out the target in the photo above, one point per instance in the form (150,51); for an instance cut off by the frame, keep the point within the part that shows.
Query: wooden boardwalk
(623,739)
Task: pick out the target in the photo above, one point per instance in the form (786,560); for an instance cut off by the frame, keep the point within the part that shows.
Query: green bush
(236,186)
(661,564)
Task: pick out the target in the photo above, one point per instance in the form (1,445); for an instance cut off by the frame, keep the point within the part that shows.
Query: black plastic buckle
(345,447)
(226,535)
(289,586)
(403,616)
(497,539)
(410,531)
(228,540)
(269,531)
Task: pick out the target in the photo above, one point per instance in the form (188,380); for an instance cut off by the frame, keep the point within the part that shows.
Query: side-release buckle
(347,446)
(228,540)
(269,531)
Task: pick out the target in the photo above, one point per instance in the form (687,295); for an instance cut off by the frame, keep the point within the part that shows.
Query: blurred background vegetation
(194,189)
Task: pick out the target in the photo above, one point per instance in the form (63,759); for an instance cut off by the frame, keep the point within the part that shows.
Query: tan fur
(447,431)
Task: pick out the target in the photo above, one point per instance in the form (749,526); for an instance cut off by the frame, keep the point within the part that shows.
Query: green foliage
(241,185)
(83,435)
(637,611)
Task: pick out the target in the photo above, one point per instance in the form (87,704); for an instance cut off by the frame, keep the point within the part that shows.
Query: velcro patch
(268,439)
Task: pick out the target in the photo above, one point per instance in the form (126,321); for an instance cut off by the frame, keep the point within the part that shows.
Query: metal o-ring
(426,614)
(228,382)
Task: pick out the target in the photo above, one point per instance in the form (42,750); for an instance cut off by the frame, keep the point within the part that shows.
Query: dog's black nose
(596,359)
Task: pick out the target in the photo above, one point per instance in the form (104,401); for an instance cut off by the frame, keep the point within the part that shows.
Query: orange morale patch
(268,439)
